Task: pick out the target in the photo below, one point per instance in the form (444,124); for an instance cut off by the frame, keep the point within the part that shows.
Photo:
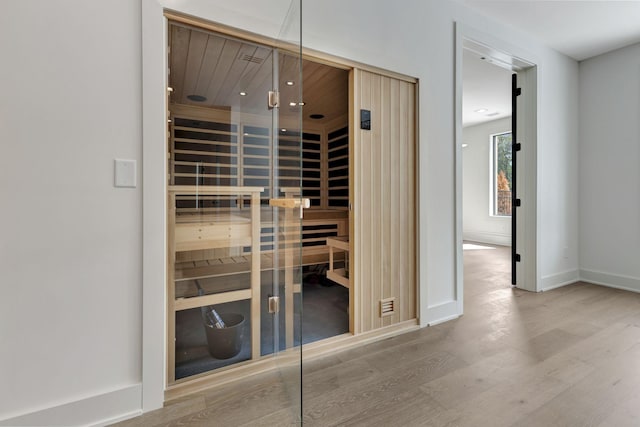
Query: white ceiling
(579,29)
(484,86)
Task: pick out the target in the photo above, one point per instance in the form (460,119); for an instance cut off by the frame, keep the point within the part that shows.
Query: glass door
(288,207)
(234,204)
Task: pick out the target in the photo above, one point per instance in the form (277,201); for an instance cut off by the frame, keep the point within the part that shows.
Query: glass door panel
(287,208)
(220,181)
(229,252)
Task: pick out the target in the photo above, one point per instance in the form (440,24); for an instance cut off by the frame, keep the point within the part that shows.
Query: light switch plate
(125,173)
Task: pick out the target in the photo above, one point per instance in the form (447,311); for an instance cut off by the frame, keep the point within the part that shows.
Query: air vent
(387,306)
(250,58)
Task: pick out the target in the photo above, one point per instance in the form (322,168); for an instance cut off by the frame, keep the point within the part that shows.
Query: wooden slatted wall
(312,168)
(384,195)
(208,148)
(338,168)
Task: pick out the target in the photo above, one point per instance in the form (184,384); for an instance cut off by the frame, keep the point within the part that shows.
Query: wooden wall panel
(384,239)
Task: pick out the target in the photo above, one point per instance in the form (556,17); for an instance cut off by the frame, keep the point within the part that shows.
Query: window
(501,174)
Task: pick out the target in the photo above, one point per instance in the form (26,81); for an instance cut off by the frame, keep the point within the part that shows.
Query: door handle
(290,203)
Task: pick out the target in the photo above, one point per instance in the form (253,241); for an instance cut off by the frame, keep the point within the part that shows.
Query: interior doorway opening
(487,180)
(475,48)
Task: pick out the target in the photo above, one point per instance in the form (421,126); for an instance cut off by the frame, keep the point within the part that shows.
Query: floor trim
(99,410)
(442,312)
(487,237)
(617,281)
(559,280)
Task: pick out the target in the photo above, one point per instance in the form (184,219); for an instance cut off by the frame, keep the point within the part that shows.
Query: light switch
(125,173)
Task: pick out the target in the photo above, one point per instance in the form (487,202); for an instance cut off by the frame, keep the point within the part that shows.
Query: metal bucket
(224,343)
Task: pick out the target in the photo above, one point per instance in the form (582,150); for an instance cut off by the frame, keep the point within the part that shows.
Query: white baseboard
(487,237)
(441,313)
(94,411)
(558,280)
(617,281)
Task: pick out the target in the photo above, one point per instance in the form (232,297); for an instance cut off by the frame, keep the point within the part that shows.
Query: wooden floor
(567,357)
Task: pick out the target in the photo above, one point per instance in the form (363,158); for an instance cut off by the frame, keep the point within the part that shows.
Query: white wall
(70,251)
(477,223)
(558,173)
(71,310)
(609,168)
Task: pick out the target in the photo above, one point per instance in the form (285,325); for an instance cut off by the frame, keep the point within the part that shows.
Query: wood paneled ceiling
(220,69)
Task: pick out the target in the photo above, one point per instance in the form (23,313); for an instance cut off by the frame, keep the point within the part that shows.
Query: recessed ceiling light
(290,83)
(283,130)
(465,145)
(170,89)
(243,93)
(196,98)
(316,116)
(481,110)
(293,104)
(301,103)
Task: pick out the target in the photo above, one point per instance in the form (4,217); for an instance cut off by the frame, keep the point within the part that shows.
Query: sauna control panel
(365,119)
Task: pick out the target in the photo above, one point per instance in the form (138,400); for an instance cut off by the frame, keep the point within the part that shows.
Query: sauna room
(232,150)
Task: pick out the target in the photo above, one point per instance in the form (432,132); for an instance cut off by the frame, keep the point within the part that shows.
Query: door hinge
(518,91)
(273,99)
(517,257)
(517,146)
(517,202)
(274,304)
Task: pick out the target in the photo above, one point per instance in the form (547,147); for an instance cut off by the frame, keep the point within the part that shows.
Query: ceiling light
(243,93)
(170,89)
(465,145)
(301,103)
(290,83)
(481,110)
(196,98)
(283,130)
(293,104)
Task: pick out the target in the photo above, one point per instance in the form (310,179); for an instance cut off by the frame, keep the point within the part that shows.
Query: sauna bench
(229,227)
(339,275)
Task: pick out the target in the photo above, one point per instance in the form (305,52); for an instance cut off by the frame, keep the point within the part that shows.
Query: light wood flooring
(567,357)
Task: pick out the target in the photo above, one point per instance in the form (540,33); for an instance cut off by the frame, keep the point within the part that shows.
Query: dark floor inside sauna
(325,308)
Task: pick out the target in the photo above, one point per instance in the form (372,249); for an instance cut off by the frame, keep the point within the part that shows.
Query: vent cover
(250,58)
(387,306)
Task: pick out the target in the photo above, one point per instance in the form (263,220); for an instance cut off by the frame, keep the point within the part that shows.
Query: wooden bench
(340,275)
(317,225)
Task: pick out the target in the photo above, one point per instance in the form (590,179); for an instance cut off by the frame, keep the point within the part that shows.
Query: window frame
(493,184)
